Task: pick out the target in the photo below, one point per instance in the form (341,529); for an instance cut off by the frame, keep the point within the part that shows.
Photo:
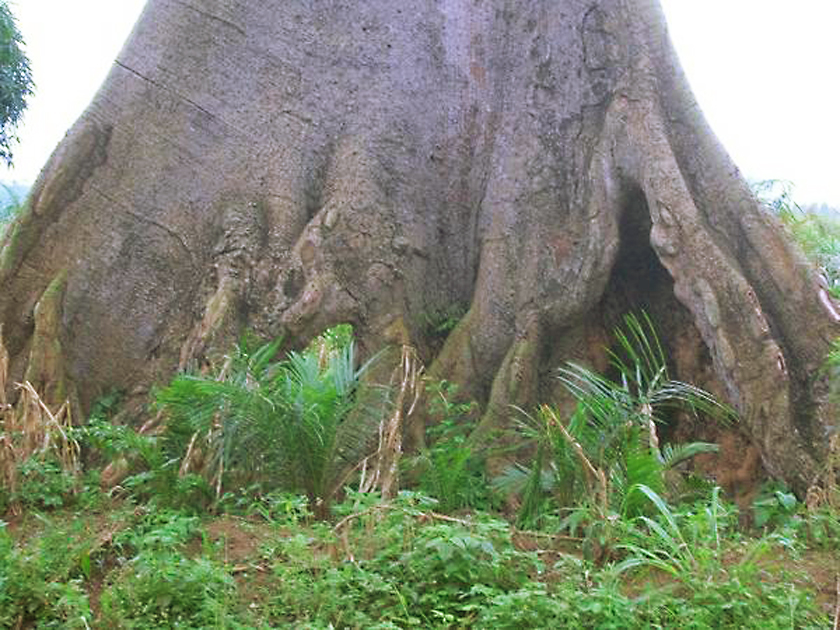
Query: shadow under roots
(639,282)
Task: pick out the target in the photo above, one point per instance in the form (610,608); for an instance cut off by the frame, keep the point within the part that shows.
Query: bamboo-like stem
(384,472)
(837,607)
(595,477)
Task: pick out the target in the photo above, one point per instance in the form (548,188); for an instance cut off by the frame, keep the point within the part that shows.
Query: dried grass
(4,375)
(204,457)
(31,429)
(204,452)
(384,463)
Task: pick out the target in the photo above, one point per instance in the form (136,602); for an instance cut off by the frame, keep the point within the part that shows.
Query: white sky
(765,73)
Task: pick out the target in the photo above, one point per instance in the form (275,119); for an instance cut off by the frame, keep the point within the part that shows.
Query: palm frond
(677,394)
(645,360)
(641,466)
(673,454)
(514,479)
(298,423)
(614,426)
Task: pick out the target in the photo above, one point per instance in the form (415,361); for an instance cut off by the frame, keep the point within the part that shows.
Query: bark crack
(166,88)
(211,16)
(139,217)
(353,297)
(306,120)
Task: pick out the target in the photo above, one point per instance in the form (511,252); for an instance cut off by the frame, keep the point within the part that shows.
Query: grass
(449,469)
(610,446)
(166,549)
(402,564)
(244,510)
(291,423)
(817,235)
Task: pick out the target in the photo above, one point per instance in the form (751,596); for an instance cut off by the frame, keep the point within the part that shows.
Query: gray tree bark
(286,165)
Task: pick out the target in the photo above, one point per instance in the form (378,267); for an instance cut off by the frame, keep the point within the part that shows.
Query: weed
(34,442)
(44,586)
(610,444)
(44,484)
(822,529)
(437,324)
(406,569)
(725,580)
(819,236)
(774,507)
(159,585)
(395,561)
(396,564)
(165,589)
(450,469)
(276,506)
(290,425)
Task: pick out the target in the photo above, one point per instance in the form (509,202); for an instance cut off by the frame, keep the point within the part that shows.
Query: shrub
(291,424)
(40,587)
(610,443)
(449,468)
(159,586)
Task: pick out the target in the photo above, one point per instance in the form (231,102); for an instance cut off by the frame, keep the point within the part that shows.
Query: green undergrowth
(243,510)
(401,563)
(449,468)
(817,234)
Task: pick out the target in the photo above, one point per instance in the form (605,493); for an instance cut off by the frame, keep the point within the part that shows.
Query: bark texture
(537,165)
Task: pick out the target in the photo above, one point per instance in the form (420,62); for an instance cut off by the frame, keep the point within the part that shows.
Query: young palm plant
(292,424)
(666,544)
(611,443)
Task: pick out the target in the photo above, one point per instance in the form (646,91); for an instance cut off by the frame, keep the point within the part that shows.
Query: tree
(15,81)
(540,166)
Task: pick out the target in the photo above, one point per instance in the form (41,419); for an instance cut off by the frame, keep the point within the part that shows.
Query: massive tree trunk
(537,165)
